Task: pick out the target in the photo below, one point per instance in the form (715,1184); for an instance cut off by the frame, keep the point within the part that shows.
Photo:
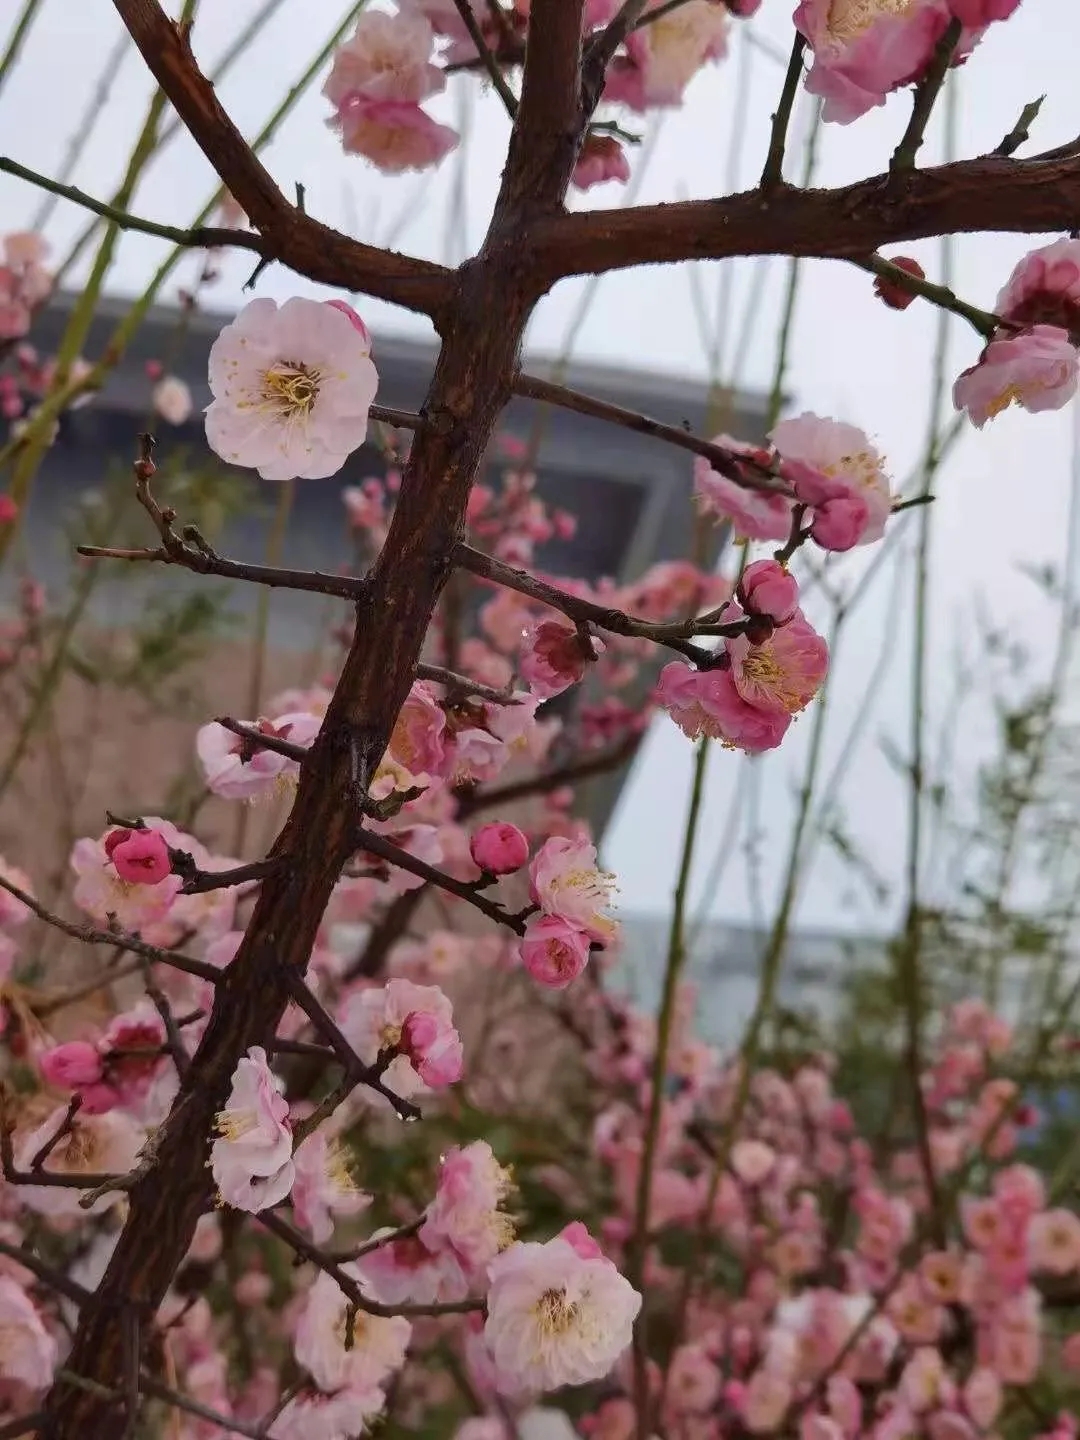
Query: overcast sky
(1002,499)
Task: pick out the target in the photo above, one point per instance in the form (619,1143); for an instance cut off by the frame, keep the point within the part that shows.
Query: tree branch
(773,174)
(926,94)
(990,194)
(289,235)
(483,49)
(462,685)
(387,850)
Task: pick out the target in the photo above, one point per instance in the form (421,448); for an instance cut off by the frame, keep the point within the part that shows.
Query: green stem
(773,173)
(18,37)
(983,321)
(925,98)
(676,958)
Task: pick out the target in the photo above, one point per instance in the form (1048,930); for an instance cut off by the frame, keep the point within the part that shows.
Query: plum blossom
(783,673)
(379,1342)
(554,657)
(554,950)
(1036,369)
(28,1353)
(237,768)
(101,890)
(404,1270)
(766,588)
(24,282)
(172,400)
(92,1145)
(555,1318)
(466,1217)
(418,741)
(340,1416)
(707,702)
(417,1021)
(387,57)
(14,911)
(394,135)
(140,857)
(292,388)
(251,1159)
(754,514)
(324,1187)
(865,49)
(665,55)
(833,466)
(1054,1242)
(565,882)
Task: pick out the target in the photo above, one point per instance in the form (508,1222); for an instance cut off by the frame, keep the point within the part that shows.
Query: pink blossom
(323,1187)
(831,464)
(554,1318)
(602,158)
(70,1065)
(394,135)
(554,950)
(785,672)
(1054,1242)
(765,1403)
(767,588)
(419,736)
(28,1353)
(172,400)
(752,1161)
(140,857)
(754,514)
(499,848)
(665,55)
(9,509)
(388,57)
(707,702)
(565,882)
(292,388)
(433,1047)
(554,657)
(239,769)
(1036,369)
(92,1145)
(340,1416)
(14,911)
(405,1271)
(251,1160)
(863,51)
(982,1397)
(379,1343)
(466,1217)
(977,13)
(693,1381)
(100,890)
(374,1020)
(1044,288)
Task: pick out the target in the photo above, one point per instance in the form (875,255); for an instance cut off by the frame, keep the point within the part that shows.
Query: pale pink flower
(405,1271)
(554,657)
(237,768)
(292,389)
(379,1342)
(754,514)
(827,460)
(767,588)
(14,911)
(766,1400)
(864,49)
(602,158)
(127,1078)
(251,1160)
(394,135)
(752,1161)
(921,1379)
(565,881)
(341,1416)
(1035,369)
(1054,1242)
(982,1396)
(94,1145)
(418,740)
(375,1019)
(554,950)
(28,1353)
(693,1381)
(707,702)
(323,1187)
(433,1048)
(23,248)
(388,57)
(1044,288)
(172,400)
(499,848)
(785,672)
(554,1318)
(466,1217)
(70,1065)
(665,55)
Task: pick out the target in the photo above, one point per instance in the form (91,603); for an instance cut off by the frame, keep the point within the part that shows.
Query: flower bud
(499,848)
(141,857)
(767,589)
(70,1065)
(893,292)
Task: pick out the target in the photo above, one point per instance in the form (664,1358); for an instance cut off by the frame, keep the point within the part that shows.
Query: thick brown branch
(297,240)
(991,194)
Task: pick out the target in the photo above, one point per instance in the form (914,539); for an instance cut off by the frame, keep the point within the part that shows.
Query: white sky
(1002,498)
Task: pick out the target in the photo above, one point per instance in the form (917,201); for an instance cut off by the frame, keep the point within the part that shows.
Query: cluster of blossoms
(24,282)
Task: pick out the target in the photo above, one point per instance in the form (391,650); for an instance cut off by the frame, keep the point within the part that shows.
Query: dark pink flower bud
(768,590)
(8,509)
(892,292)
(142,858)
(499,848)
(977,13)
(839,523)
(71,1065)
(115,838)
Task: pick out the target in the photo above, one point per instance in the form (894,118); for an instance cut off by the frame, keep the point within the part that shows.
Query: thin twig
(49,1276)
(1020,133)
(926,94)
(261,741)
(396,855)
(91,936)
(462,685)
(985,322)
(772,175)
(490,63)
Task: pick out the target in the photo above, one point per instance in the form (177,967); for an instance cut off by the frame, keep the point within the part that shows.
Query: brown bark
(468,390)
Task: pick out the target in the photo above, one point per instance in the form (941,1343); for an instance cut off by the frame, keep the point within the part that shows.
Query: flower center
(761,668)
(554,1313)
(289,390)
(1012,394)
(234,1124)
(389,1036)
(848,19)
